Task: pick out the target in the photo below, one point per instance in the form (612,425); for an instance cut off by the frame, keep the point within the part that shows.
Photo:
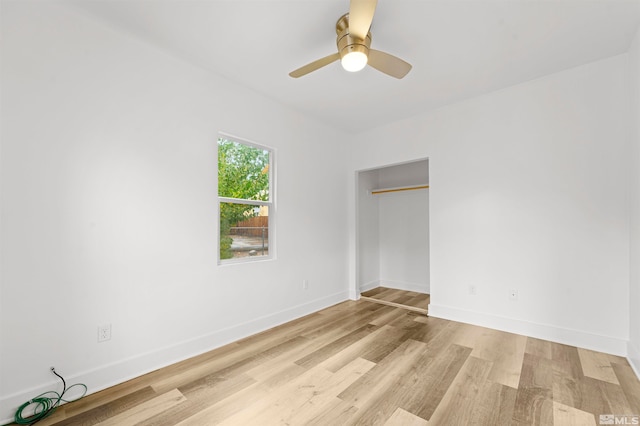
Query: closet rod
(402,188)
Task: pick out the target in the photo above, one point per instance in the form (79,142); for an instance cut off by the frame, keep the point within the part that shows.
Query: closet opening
(392,244)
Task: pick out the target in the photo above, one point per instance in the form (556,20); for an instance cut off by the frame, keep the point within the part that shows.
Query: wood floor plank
(434,379)
(373,292)
(383,374)
(185,373)
(120,395)
(401,298)
(539,348)
(360,348)
(336,346)
(220,375)
(429,329)
(421,319)
(337,413)
(420,301)
(319,401)
(494,405)
(401,417)
(389,314)
(614,398)
(218,412)
(395,304)
(145,410)
(457,405)
(242,354)
(302,398)
(280,374)
(597,365)
(567,359)
(629,384)
(109,408)
(246,364)
(387,293)
(569,416)
(282,368)
(410,299)
(534,398)
(347,322)
(431,378)
(406,328)
(572,388)
(201,394)
(566,386)
(506,352)
(58,417)
(469,336)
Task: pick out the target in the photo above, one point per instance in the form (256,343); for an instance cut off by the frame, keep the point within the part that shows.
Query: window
(245,200)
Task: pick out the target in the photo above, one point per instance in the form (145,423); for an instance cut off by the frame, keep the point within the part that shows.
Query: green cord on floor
(45,404)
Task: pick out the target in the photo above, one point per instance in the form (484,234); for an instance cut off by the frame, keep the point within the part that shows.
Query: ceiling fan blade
(306,69)
(360,17)
(388,64)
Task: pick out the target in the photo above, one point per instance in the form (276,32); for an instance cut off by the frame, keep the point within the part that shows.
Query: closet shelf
(398,189)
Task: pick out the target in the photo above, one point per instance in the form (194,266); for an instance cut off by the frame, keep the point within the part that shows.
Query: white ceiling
(458,49)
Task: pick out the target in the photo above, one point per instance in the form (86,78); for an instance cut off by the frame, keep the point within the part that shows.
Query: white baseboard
(633,356)
(369,286)
(552,333)
(118,372)
(403,285)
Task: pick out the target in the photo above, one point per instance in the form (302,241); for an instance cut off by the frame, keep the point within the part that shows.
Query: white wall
(109,213)
(368,232)
(528,190)
(404,240)
(634,259)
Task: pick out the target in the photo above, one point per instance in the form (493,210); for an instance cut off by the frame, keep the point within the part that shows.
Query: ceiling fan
(354,41)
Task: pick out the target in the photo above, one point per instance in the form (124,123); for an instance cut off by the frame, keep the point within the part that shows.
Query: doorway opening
(392,244)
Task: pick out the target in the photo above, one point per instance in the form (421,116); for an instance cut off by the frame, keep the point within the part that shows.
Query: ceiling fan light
(354,61)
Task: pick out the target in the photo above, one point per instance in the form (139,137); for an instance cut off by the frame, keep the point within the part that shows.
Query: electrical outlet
(472,290)
(513,294)
(305,284)
(104,332)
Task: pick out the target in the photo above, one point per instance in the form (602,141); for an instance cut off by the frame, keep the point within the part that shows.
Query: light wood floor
(418,302)
(370,364)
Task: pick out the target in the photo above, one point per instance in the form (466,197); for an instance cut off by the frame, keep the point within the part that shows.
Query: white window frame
(271,204)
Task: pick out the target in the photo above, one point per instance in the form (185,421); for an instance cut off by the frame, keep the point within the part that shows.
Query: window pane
(243,171)
(244,230)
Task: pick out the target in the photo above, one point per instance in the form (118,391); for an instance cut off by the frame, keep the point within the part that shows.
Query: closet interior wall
(393,228)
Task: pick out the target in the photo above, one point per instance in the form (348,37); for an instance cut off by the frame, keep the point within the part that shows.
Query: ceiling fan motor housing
(348,43)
